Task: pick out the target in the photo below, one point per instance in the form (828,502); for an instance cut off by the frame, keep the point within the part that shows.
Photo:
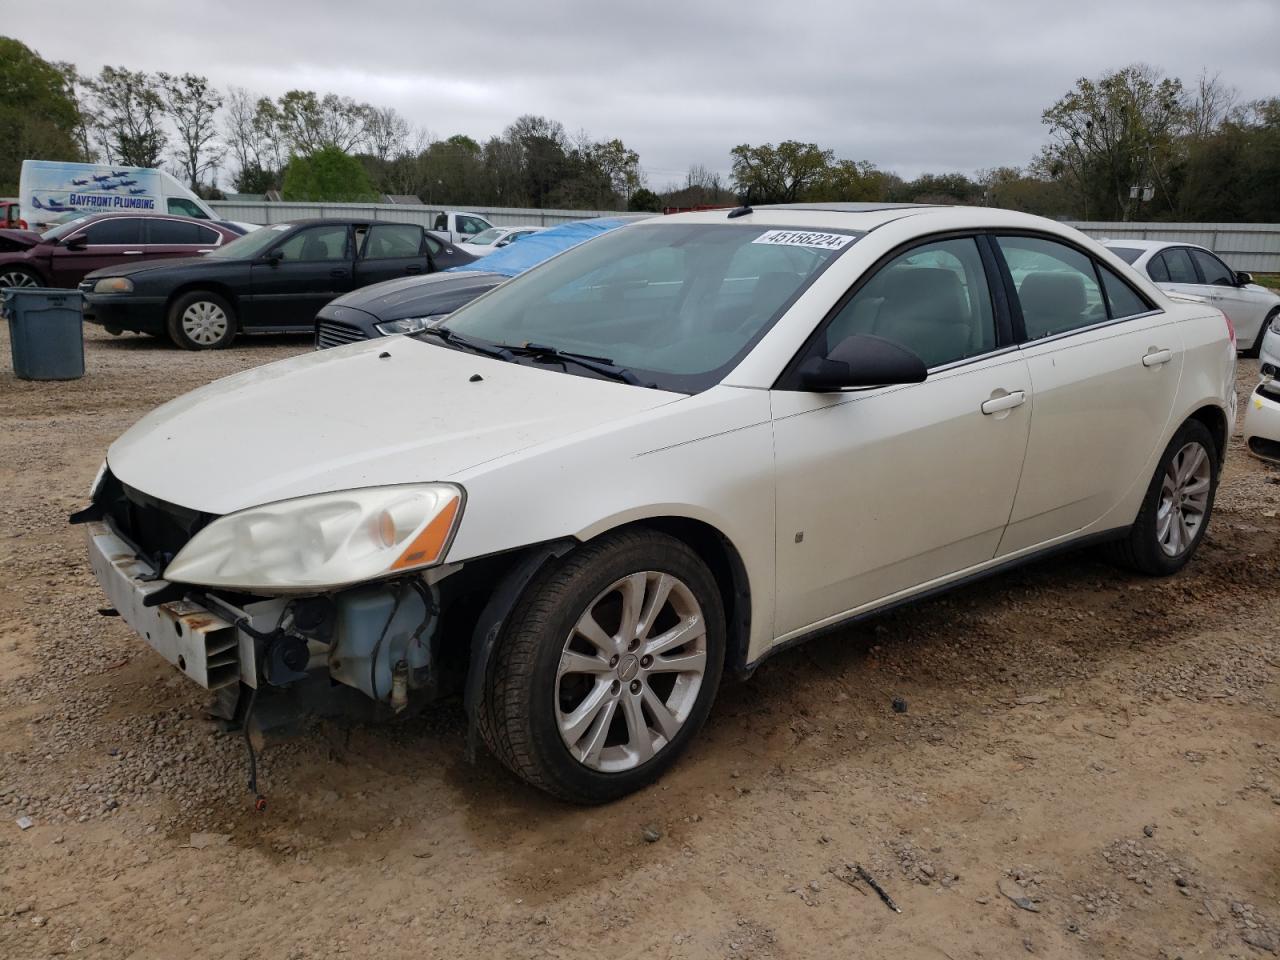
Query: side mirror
(862,361)
(76,243)
(273,257)
(1242,278)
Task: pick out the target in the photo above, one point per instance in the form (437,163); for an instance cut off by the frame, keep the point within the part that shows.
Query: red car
(61,256)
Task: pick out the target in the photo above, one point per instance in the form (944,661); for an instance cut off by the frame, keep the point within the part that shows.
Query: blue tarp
(530,251)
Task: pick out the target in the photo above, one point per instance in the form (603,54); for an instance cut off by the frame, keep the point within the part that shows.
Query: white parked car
(495,238)
(1188,269)
(1269,352)
(660,456)
(1262,421)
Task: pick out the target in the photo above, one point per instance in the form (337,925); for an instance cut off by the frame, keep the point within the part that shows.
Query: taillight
(22,225)
(1231,329)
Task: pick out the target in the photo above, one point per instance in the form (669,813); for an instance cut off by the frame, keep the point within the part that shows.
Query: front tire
(19,277)
(607,668)
(1176,510)
(201,320)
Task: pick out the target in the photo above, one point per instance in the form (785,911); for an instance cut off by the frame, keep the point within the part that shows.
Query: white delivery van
(48,189)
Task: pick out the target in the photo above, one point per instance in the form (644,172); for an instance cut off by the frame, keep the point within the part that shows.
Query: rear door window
(389,241)
(114,231)
(179,232)
(1122,299)
(1178,262)
(1057,287)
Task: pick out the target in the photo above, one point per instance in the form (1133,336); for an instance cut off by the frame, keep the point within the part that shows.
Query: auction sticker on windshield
(806,238)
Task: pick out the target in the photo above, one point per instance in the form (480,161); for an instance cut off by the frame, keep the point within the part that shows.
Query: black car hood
(177,263)
(13,240)
(417,296)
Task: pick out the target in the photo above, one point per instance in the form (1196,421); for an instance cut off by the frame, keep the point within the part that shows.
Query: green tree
(38,111)
(644,200)
(328,174)
(1114,133)
(781,174)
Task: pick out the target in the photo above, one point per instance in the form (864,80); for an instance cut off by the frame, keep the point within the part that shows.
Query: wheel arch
(1215,420)
(725,562)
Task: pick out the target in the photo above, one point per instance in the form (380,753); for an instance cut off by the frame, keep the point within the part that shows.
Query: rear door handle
(337,274)
(131,253)
(1157,357)
(1007,402)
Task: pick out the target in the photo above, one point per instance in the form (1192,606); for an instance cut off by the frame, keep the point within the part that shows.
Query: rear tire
(585,707)
(1177,507)
(201,320)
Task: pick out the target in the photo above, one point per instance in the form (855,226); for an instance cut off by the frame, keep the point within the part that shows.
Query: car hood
(18,239)
(416,296)
(394,410)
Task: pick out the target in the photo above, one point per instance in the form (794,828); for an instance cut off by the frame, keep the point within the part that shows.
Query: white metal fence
(266,213)
(1244,246)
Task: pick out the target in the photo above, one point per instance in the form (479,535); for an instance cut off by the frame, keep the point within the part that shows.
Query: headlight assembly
(1275,324)
(409,324)
(324,541)
(113,285)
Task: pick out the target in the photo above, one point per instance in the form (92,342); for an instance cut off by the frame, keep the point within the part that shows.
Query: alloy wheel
(1184,498)
(17,278)
(204,322)
(630,671)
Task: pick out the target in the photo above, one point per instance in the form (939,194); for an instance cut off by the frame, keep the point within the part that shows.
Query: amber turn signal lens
(428,546)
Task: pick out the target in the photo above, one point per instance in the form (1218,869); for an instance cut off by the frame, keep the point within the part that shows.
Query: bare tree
(192,105)
(1210,104)
(130,114)
(386,133)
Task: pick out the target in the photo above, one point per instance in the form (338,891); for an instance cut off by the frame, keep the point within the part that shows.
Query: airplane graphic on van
(126,183)
(104,178)
(79,183)
(53,206)
(119,173)
(137,191)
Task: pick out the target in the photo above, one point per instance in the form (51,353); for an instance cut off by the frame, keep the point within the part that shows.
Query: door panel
(881,491)
(315,265)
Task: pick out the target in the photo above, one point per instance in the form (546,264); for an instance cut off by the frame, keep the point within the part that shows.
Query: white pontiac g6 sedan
(664,454)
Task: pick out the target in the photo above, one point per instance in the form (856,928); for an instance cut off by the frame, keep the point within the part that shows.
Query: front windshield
(486,237)
(251,244)
(62,229)
(677,304)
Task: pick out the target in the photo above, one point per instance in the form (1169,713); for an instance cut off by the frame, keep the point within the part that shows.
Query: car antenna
(743,210)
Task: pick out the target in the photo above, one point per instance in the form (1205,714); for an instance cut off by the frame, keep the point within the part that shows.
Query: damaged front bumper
(377,638)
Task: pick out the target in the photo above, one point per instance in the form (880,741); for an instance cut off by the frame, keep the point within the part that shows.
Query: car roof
(1147,244)
(865,217)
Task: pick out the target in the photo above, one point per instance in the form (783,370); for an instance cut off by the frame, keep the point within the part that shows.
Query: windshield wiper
(601,365)
(466,343)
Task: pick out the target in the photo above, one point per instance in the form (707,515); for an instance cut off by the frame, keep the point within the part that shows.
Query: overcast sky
(912,86)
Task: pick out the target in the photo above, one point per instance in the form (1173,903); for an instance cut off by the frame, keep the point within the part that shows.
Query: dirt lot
(1102,749)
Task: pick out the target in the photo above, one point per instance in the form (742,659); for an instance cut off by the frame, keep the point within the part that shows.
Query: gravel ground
(1089,766)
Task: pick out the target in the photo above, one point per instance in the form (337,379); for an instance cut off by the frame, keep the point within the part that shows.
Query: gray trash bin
(46,332)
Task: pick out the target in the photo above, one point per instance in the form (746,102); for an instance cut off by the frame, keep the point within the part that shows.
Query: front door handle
(1006,402)
(1157,357)
(131,253)
(338,274)
(413,269)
